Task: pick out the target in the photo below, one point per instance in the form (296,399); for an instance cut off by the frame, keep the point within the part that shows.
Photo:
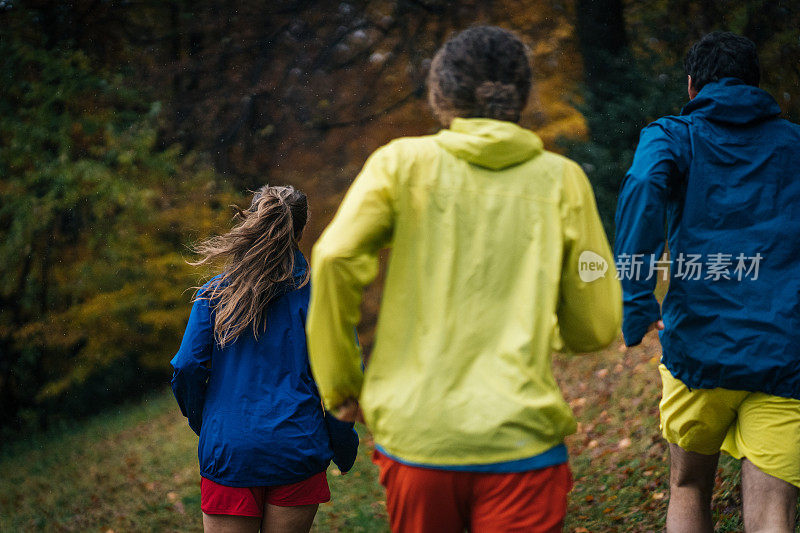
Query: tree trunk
(602,39)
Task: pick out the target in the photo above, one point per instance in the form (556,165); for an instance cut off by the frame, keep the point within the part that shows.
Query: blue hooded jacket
(724,176)
(257,409)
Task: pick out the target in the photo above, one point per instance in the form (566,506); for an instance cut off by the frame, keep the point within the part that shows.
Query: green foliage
(641,89)
(672,26)
(92,220)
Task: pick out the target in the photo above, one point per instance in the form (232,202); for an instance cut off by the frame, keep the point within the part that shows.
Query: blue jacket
(724,176)
(257,409)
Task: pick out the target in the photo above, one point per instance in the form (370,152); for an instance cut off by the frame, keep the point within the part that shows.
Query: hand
(349,411)
(658,325)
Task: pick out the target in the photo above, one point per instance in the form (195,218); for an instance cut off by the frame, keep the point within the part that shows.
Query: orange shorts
(250,501)
(429,500)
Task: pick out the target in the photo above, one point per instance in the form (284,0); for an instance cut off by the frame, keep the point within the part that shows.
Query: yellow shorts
(763,428)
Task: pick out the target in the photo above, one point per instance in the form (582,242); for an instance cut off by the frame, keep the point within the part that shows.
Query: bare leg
(691,483)
(221,523)
(768,503)
(297,519)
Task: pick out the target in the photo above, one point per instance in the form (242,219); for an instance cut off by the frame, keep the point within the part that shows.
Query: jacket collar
(732,101)
(489,143)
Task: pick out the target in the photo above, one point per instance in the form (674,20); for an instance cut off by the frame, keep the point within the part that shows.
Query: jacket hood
(489,143)
(732,101)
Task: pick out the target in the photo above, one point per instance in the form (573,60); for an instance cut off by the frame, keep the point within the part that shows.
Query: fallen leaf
(578,402)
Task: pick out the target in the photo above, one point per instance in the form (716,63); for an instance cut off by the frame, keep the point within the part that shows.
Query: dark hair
(722,55)
(258,256)
(481,72)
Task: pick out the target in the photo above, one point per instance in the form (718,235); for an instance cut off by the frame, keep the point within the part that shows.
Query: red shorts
(429,500)
(250,501)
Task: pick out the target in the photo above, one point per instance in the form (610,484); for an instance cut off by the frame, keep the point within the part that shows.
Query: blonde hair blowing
(258,260)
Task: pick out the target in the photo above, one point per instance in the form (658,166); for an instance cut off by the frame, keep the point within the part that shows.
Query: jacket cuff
(343,441)
(638,319)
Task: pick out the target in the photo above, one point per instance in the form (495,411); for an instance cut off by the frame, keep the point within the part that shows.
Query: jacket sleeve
(343,440)
(343,262)
(640,226)
(590,304)
(190,376)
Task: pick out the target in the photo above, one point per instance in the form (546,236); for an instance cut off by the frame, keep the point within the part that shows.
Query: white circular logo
(591,266)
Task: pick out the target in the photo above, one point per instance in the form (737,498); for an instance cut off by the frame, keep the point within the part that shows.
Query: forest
(128,128)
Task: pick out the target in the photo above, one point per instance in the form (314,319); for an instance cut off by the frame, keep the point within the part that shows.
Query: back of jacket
(488,232)
(725,175)
(257,409)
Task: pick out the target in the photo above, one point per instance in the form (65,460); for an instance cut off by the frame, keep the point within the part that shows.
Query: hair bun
(495,98)
(495,90)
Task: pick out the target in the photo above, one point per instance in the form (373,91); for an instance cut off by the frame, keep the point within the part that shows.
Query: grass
(135,468)
(619,460)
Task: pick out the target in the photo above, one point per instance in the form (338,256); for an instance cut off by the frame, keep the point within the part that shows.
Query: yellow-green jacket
(486,229)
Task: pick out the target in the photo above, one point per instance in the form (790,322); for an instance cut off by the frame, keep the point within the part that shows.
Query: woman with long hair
(242,377)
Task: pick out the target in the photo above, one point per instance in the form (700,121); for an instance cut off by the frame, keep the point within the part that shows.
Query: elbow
(604,338)
(325,254)
(594,327)
(593,342)
(611,327)
(594,337)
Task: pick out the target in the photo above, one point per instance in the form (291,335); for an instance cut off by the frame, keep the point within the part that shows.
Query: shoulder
(404,149)
(561,167)
(672,127)
(568,168)
(207,288)
(402,158)
(790,127)
(666,139)
(203,298)
(560,162)
(575,185)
